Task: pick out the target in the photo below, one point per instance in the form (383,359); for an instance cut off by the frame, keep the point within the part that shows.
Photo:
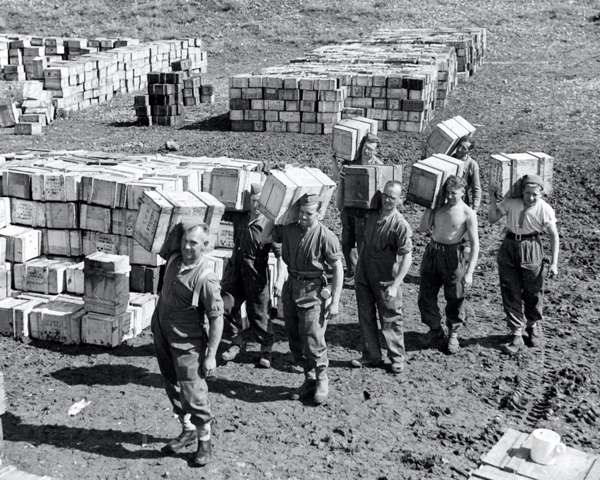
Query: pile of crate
(81,72)
(310,97)
(442,56)
(58,207)
(470,43)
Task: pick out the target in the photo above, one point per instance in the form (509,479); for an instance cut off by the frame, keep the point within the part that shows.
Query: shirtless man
(444,263)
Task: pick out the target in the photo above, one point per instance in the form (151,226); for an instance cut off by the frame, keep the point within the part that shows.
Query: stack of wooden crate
(196,91)
(58,207)
(81,72)
(354,52)
(310,97)
(470,43)
(164,103)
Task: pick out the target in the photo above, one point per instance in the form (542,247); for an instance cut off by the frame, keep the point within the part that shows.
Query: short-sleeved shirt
(391,233)
(308,251)
(246,237)
(537,218)
(177,294)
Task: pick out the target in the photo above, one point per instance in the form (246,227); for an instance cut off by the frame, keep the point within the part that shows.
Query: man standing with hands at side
(383,262)
(307,248)
(443,263)
(185,346)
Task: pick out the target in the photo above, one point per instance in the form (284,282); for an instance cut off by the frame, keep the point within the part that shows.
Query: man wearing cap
(185,345)
(353,219)
(470,174)
(246,279)
(520,258)
(308,247)
(383,262)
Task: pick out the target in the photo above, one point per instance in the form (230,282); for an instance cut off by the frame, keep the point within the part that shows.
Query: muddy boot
(204,452)
(309,385)
(536,337)
(265,358)
(453,345)
(435,337)
(232,352)
(322,390)
(185,439)
(517,338)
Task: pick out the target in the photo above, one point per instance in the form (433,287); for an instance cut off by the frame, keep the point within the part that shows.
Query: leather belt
(521,236)
(445,247)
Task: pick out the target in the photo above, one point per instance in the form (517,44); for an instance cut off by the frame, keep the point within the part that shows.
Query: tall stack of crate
(164,103)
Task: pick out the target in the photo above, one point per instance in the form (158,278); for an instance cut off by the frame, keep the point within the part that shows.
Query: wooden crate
(217,260)
(363,184)
(41,275)
(144,279)
(5,280)
(7,316)
(95,218)
(123,221)
(57,320)
(507,169)
(147,302)
(106,283)
(4,212)
(21,316)
(348,135)
(509,459)
(27,212)
(446,135)
(62,215)
(67,243)
(427,178)
(75,278)
(106,190)
(231,186)
(22,243)
(105,330)
(225,238)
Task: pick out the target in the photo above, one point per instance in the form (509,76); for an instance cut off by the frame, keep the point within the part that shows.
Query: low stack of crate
(195,91)
(354,52)
(470,43)
(401,98)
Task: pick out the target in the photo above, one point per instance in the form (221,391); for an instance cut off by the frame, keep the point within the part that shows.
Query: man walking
(185,346)
(383,262)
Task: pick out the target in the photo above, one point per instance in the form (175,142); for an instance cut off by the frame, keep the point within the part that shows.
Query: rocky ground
(538,90)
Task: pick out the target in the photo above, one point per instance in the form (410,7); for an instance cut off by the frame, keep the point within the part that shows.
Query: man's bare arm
(473,234)
(426,222)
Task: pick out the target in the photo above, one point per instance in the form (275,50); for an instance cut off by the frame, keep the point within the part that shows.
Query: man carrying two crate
(353,219)
(246,279)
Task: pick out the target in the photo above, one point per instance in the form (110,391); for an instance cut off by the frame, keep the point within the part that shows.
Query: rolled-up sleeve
(210,296)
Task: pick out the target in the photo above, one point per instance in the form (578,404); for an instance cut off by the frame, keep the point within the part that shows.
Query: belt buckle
(518,237)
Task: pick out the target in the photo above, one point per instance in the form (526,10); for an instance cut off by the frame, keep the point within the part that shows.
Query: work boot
(322,390)
(265,360)
(397,367)
(185,439)
(435,336)
(517,338)
(453,345)
(203,454)
(365,362)
(232,352)
(536,337)
(309,385)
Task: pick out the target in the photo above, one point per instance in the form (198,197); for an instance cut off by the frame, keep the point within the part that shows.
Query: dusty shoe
(396,368)
(265,360)
(203,454)
(453,345)
(435,337)
(185,439)
(365,362)
(517,340)
(308,387)
(231,352)
(322,390)
(536,337)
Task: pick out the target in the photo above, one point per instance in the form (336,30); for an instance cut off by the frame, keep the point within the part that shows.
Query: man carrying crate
(185,348)
(307,248)
(246,279)
(353,219)
(443,263)
(383,262)
(470,174)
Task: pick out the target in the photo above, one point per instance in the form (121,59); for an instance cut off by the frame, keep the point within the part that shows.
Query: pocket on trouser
(185,336)
(395,303)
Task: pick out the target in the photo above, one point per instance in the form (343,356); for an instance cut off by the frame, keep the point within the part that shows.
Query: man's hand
(468,280)
(332,310)
(209,365)
(391,292)
(278,288)
(553,270)
(494,194)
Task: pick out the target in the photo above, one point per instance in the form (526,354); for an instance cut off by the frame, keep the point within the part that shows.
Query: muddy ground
(539,90)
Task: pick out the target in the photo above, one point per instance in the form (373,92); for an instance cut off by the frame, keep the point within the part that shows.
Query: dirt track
(538,90)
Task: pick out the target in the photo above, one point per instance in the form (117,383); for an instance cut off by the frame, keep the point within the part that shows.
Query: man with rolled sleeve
(307,248)
(185,346)
(383,262)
